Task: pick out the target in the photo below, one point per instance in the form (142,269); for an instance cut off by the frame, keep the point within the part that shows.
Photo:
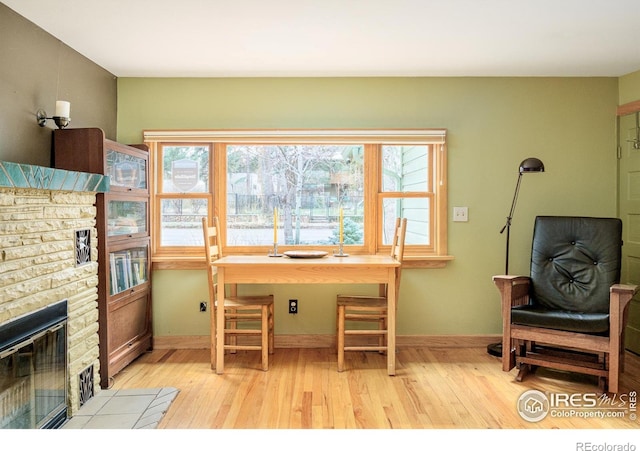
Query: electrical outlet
(293,306)
(203,306)
(460,214)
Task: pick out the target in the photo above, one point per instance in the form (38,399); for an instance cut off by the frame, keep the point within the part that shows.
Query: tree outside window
(306,184)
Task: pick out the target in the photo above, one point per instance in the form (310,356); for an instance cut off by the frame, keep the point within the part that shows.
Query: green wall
(493,124)
(629,89)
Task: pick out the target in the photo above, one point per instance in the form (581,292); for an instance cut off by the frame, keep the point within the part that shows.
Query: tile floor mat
(141,408)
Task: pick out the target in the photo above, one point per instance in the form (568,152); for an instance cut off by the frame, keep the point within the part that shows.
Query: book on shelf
(128,269)
(113,276)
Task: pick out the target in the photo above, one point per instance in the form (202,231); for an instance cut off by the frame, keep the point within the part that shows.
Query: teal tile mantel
(17,175)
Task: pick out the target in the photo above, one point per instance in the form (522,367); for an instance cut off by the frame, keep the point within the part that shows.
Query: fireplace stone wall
(41,209)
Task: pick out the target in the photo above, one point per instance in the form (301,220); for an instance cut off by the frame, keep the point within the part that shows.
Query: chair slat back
(397,248)
(211,245)
(212,252)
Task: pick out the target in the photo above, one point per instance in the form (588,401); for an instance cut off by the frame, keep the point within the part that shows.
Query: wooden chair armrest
(510,277)
(619,299)
(625,289)
(514,290)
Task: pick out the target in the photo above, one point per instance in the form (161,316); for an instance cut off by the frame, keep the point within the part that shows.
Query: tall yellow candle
(341,225)
(275,225)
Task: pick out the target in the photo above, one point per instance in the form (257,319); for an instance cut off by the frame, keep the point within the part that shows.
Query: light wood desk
(261,269)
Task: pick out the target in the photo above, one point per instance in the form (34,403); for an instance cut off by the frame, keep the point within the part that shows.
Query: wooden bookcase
(122,223)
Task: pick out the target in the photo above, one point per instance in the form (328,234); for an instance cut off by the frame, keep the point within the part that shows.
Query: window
(305,185)
(183,195)
(303,181)
(408,192)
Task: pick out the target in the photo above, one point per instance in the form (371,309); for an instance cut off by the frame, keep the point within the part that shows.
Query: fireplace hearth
(33,369)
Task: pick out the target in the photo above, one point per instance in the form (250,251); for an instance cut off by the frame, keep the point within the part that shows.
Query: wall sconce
(61,118)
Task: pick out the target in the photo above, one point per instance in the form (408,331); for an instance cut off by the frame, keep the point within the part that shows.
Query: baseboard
(329,341)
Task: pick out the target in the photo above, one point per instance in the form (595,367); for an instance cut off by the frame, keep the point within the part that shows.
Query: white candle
(63,109)
(341,225)
(275,225)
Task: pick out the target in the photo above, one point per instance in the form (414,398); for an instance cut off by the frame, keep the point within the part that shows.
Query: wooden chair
(569,314)
(370,309)
(247,310)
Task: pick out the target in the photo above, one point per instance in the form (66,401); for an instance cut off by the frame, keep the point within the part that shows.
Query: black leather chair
(570,313)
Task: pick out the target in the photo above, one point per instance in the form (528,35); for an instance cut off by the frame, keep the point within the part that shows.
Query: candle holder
(60,121)
(274,251)
(61,118)
(340,252)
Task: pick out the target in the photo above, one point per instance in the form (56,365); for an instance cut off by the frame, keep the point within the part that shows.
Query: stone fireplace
(48,250)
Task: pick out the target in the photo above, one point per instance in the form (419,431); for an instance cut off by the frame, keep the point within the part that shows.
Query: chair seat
(535,316)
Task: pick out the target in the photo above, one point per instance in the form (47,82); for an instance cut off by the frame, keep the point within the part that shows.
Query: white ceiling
(274,38)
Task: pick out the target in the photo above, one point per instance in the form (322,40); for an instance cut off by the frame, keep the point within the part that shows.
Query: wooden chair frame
(238,309)
(528,347)
(364,308)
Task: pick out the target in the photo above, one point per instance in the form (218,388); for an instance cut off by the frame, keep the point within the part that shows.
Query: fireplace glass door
(33,377)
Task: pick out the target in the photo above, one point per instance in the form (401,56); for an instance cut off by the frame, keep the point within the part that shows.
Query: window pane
(181,221)
(405,168)
(185,169)
(416,210)
(308,184)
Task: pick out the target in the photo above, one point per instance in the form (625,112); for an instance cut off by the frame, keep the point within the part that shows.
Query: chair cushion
(588,323)
(574,262)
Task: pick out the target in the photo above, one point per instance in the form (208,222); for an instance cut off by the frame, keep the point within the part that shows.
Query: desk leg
(219,328)
(391,326)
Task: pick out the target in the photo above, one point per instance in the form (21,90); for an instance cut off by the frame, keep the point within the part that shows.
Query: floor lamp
(528,165)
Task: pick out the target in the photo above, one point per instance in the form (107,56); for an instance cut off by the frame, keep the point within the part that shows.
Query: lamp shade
(531,165)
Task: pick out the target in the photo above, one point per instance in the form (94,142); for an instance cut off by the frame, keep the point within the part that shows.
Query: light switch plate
(460,214)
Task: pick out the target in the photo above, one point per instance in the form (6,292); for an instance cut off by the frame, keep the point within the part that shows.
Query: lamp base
(495,349)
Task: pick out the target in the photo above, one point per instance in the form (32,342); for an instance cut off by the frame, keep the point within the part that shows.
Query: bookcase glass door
(128,268)
(128,171)
(127,217)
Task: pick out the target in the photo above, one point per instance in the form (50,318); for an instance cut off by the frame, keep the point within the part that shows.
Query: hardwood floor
(434,388)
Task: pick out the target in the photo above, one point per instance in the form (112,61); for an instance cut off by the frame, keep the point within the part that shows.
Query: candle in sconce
(341,226)
(63,109)
(275,225)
